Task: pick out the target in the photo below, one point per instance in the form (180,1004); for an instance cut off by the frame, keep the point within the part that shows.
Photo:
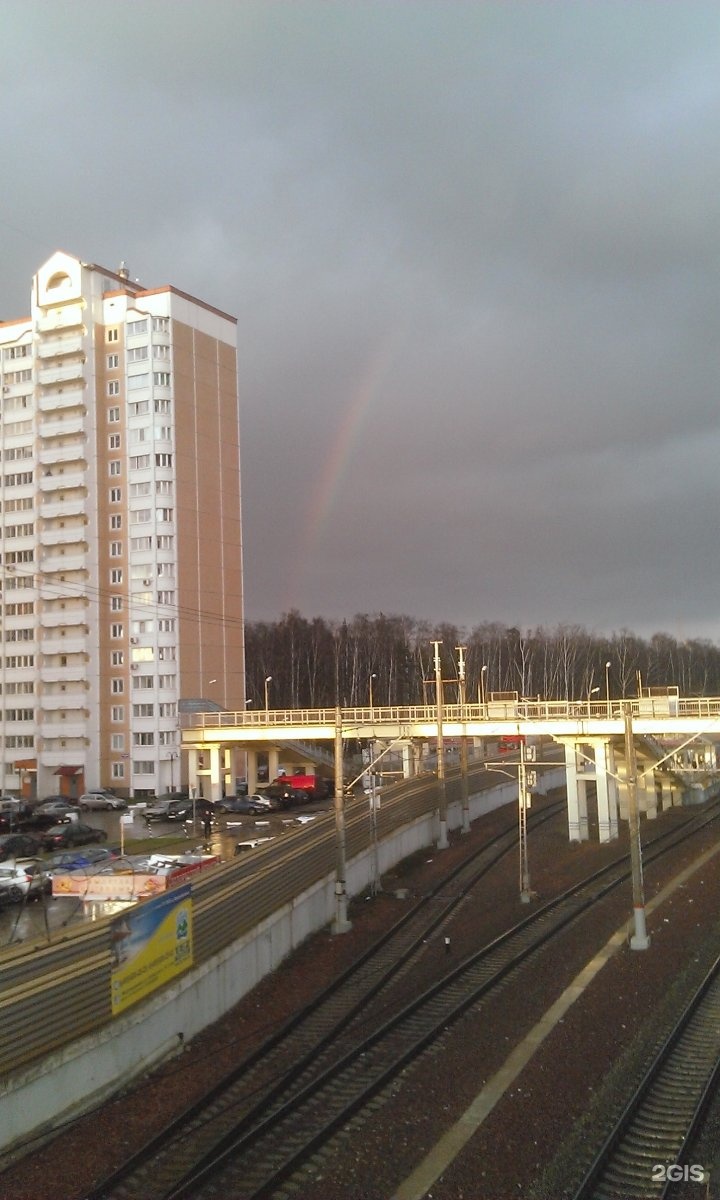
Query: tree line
(316,663)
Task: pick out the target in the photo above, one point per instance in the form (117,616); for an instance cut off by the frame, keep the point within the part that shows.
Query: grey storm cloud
(473,251)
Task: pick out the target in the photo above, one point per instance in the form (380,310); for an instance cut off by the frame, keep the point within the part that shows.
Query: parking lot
(48,917)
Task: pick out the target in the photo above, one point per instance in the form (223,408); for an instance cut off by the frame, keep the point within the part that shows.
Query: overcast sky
(473,250)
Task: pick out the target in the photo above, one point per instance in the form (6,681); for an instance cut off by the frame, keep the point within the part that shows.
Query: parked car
(25,879)
(285,795)
(178,809)
(73,833)
(244,804)
(250,844)
(18,845)
(92,858)
(101,800)
(55,808)
(14,814)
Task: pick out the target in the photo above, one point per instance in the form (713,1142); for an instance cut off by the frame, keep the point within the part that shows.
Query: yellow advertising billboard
(151,944)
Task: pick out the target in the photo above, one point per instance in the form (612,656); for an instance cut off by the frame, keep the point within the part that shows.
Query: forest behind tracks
(426,1068)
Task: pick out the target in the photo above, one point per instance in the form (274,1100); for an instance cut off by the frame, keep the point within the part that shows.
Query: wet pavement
(46,918)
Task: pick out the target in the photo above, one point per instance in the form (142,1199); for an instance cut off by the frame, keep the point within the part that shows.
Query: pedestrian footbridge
(673,738)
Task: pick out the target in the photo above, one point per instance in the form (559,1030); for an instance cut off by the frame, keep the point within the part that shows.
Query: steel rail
(655,1128)
(267,1146)
(290,1051)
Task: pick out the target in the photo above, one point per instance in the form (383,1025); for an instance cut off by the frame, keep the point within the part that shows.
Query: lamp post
(268,680)
(373,676)
(442,843)
(607,686)
(483,700)
(592,692)
(464,791)
(640,939)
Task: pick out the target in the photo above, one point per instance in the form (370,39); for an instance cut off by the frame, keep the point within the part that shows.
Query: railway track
(249,1135)
(647,1151)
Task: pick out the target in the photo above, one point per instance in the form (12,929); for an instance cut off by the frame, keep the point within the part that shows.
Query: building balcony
(69,397)
(72,535)
(73,425)
(72,506)
(63,453)
(69,701)
(73,619)
(67,343)
(70,316)
(62,563)
(74,643)
(53,730)
(54,374)
(65,480)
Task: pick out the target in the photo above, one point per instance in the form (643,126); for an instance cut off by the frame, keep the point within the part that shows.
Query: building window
(143,683)
(117,741)
(116,520)
(139,408)
(135,327)
(166,597)
(161,324)
(111,335)
(117,686)
(141,516)
(167,710)
(143,710)
(113,360)
(114,441)
(140,489)
(163,460)
(167,681)
(144,768)
(113,415)
(116,631)
(117,658)
(117,712)
(138,381)
(115,466)
(140,462)
(137,353)
(116,575)
(143,739)
(116,603)
(116,550)
(161,378)
(113,387)
(118,770)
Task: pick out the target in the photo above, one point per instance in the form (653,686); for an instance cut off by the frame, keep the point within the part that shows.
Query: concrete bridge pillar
(252,772)
(670,792)
(576,795)
(217,760)
(273,763)
(409,760)
(647,794)
(607,791)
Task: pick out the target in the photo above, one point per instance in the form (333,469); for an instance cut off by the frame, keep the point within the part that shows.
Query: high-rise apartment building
(120,529)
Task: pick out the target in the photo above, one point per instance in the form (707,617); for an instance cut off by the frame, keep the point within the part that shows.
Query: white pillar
(606,792)
(216,765)
(408,760)
(273,763)
(252,772)
(576,796)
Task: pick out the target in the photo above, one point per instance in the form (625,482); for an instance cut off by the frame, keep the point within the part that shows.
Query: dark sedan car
(74,833)
(244,804)
(18,845)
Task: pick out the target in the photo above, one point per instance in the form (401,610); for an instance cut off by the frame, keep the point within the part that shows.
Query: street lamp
(592,692)
(482,688)
(268,679)
(607,686)
(373,676)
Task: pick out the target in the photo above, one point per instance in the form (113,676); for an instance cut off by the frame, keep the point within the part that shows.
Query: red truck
(316,787)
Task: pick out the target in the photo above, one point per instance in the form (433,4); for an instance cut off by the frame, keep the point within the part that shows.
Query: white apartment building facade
(120,529)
